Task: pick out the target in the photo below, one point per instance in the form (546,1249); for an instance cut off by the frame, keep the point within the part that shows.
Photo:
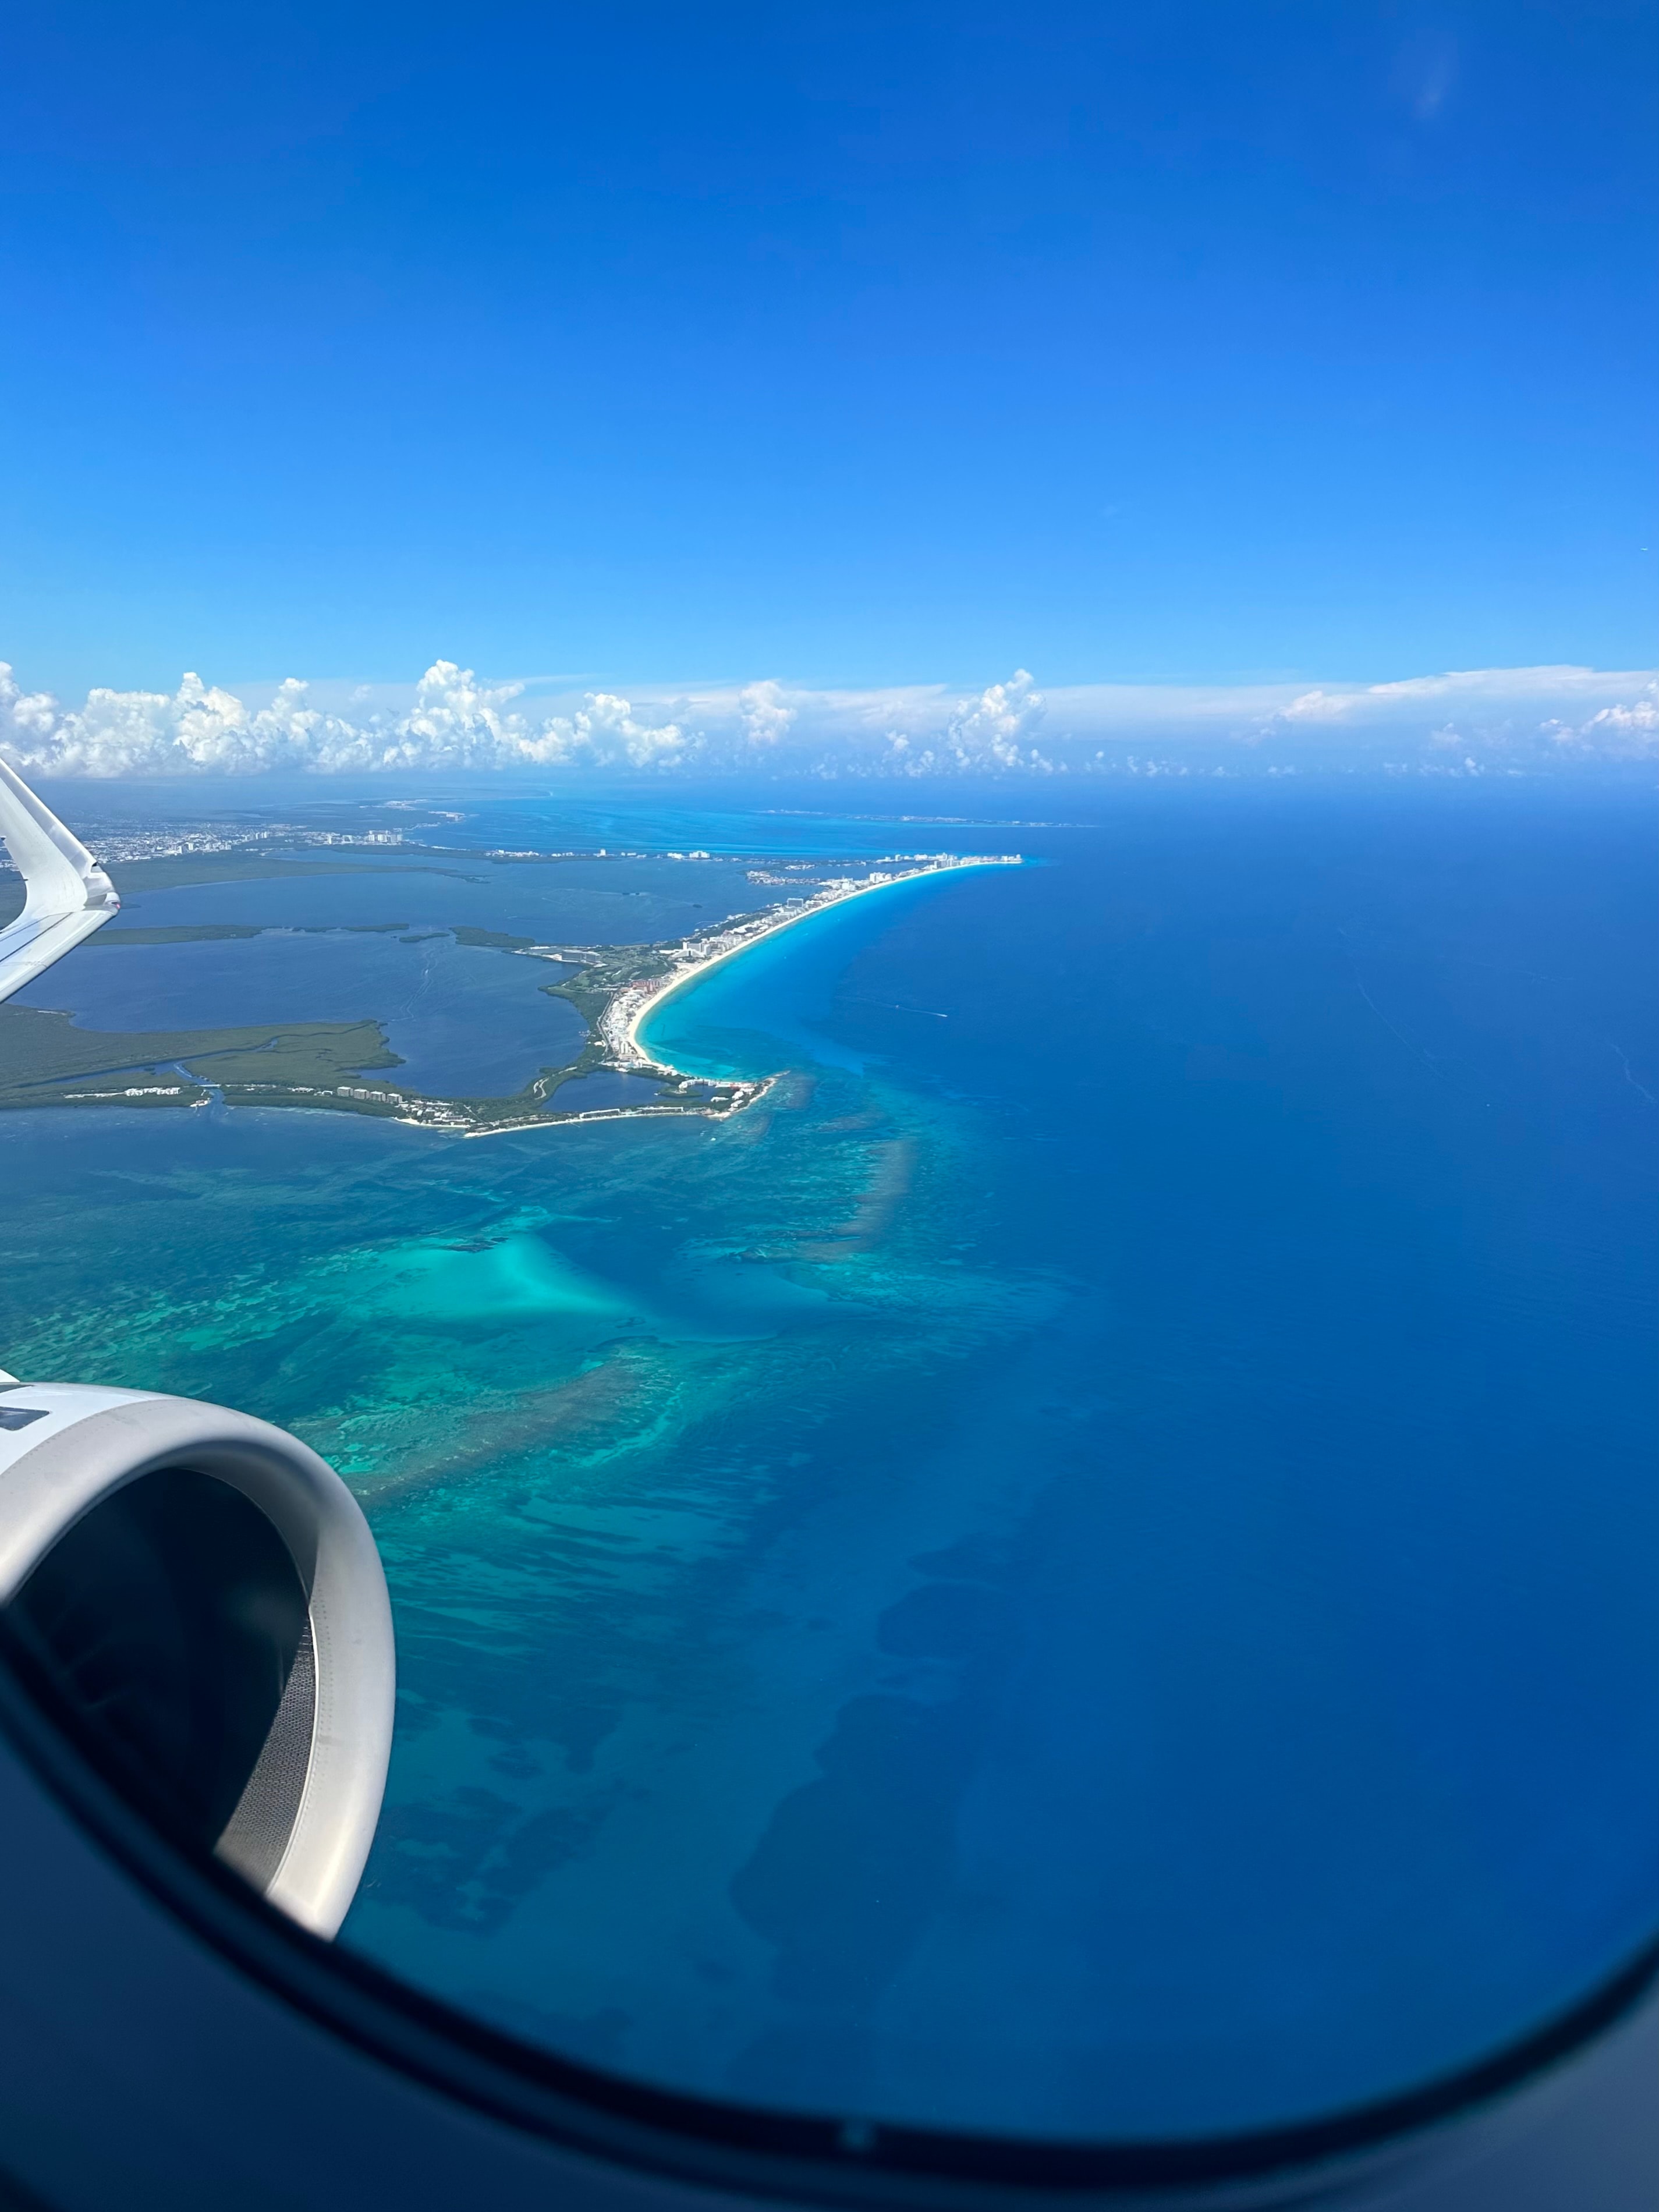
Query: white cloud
(765,712)
(1627,728)
(1519,712)
(452,719)
(990,734)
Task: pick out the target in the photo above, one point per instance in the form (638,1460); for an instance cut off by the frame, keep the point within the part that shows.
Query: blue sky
(845,346)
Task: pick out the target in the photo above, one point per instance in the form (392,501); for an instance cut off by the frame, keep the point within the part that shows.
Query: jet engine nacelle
(196,1598)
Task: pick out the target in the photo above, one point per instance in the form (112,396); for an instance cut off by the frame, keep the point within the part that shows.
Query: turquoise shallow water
(1087,1566)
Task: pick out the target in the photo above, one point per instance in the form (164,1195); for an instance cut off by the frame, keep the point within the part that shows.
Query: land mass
(46,1060)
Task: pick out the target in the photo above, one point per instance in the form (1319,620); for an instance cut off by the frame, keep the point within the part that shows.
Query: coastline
(620,1023)
(337,1067)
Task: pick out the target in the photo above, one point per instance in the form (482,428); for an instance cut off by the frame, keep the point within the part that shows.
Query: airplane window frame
(747,2149)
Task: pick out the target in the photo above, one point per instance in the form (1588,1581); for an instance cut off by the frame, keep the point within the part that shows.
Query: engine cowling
(196,1597)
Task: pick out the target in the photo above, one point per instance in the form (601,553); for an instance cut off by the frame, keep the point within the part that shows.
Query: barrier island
(46,1060)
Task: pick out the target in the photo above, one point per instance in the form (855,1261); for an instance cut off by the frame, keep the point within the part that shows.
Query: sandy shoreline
(618,1025)
(630,1008)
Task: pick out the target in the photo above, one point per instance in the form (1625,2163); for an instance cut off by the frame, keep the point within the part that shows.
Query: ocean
(1085,1568)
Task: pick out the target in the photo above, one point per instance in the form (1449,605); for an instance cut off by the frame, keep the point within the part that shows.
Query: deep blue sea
(1088,1566)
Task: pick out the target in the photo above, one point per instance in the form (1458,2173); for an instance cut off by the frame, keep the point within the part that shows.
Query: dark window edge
(747,2150)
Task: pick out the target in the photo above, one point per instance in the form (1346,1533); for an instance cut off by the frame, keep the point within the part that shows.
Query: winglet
(67,894)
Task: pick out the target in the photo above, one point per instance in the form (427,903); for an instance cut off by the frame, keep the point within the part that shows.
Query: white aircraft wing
(68,895)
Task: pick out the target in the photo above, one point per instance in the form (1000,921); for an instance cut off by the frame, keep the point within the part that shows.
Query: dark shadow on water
(853,1866)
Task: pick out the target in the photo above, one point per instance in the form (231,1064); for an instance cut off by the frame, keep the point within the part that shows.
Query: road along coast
(47,1060)
(619,1026)
(616,1025)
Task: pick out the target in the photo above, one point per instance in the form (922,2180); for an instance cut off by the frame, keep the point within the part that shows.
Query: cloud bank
(1472,721)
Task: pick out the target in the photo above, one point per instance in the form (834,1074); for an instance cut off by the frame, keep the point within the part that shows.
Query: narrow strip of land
(46,1060)
(620,1025)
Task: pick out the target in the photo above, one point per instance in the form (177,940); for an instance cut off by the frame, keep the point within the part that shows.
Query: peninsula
(46,1060)
(619,1026)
